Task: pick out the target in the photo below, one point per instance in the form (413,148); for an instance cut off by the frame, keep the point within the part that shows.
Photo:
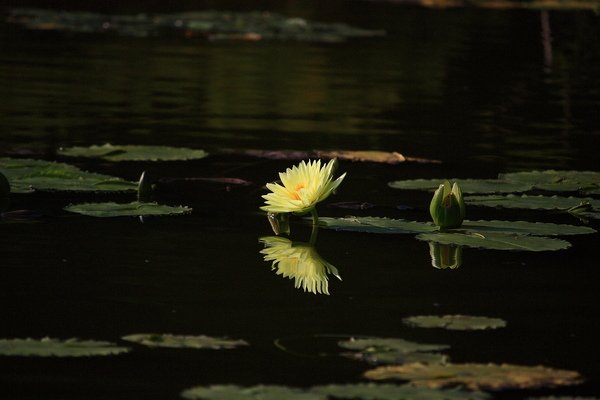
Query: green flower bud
(445,256)
(447,207)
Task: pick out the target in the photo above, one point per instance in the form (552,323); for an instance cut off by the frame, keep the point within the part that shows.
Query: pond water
(475,89)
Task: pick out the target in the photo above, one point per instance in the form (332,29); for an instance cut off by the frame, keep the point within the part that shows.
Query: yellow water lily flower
(302,187)
(300,262)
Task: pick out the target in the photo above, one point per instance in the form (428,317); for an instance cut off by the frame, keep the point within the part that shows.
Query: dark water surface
(472,88)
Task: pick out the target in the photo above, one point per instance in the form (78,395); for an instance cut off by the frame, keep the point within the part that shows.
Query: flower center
(295,195)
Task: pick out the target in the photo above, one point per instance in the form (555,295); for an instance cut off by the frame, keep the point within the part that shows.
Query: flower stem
(315,226)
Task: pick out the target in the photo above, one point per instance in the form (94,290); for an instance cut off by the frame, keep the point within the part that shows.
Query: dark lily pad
(260,392)
(387,225)
(384,157)
(132,209)
(373,391)
(466,185)
(111,152)
(525,228)
(455,322)
(389,344)
(557,181)
(477,376)
(531,202)
(496,241)
(48,347)
(376,225)
(207,24)
(184,341)
(26,175)
(372,356)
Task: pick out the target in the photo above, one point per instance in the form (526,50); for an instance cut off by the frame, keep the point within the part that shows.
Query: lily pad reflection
(299,261)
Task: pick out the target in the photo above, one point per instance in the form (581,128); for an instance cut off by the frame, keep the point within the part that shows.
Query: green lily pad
(184,341)
(455,322)
(531,202)
(375,225)
(388,225)
(260,392)
(525,228)
(48,347)
(562,398)
(466,185)
(132,209)
(389,345)
(373,391)
(111,152)
(558,181)
(477,376)
(496,241)
(373,356)
(26,175)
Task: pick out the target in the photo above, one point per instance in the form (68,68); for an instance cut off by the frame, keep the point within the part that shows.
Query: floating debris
(210,25)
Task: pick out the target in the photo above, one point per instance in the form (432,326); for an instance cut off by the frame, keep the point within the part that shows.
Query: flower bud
(447,207)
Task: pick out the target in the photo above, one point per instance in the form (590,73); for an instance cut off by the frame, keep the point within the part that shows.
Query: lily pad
(26,175)
(477,376)
(384,157)
(389,344)
(48,347)
(525,228)
(399,226)
(111,152)
(531,202)
(466,185)
(496,241)
(376,225)
(373,391)
(260,392)
(455,322)
(373,356)
(557,181)
(132,209)
(184,341)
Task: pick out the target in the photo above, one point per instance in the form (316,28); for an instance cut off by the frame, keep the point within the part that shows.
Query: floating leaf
(376,225)
(455,322)
(184,341)
(525,228)
(388,225)
(531,202)
(260,392)
(373,391)
(389,344)
(477,376)
(111,152)
(466,185)
(557,180)
(128,209)
(393,351)
(372,356)
(211,25)
(384,157)
(496,241)
(27,174)
(48,347)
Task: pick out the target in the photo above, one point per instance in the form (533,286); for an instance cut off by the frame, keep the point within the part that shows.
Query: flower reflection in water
(445,256)
(299,261)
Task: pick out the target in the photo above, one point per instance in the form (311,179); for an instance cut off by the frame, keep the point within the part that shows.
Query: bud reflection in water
(299,261)
(445,256)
